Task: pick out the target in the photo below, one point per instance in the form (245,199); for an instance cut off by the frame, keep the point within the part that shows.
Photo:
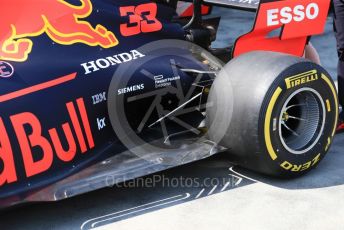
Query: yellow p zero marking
(328,81)
(328,105)
(267,123)
(328,143)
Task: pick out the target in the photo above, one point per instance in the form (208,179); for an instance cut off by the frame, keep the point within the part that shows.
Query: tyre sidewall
(279,160)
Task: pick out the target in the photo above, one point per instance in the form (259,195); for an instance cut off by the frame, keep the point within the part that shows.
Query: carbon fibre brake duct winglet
(249,5)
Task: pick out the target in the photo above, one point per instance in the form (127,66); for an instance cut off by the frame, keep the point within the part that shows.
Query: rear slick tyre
(284,113)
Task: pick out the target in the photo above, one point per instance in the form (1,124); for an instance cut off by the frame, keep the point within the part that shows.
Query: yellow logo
(301,79)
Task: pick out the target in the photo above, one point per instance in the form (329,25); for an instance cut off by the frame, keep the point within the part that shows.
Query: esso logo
(6,69)
(288,14)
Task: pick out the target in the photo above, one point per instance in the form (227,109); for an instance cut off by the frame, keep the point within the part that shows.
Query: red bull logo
(61,21)
(51,145)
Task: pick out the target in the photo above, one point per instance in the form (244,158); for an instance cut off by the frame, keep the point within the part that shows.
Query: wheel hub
(302,120)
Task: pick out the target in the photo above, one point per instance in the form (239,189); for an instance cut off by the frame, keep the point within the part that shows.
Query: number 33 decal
(141,19)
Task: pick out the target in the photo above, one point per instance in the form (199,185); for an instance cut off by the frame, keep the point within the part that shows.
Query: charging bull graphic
(57,18)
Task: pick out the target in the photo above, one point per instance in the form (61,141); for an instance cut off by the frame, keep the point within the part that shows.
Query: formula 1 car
(94,93)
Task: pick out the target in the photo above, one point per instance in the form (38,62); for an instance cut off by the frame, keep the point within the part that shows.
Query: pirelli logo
(302,78)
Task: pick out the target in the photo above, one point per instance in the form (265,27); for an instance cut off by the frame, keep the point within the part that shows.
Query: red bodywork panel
(185,9)
(296,19)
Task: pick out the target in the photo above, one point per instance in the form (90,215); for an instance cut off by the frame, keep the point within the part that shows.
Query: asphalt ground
(212,193)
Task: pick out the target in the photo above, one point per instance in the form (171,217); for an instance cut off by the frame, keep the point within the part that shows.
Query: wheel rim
(302,121)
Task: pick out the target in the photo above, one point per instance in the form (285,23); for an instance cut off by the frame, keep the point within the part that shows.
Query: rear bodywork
(59,60)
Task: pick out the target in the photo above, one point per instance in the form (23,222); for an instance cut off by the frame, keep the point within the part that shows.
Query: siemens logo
(129,89)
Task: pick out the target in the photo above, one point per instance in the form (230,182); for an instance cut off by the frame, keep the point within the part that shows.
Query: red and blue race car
(94,93)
